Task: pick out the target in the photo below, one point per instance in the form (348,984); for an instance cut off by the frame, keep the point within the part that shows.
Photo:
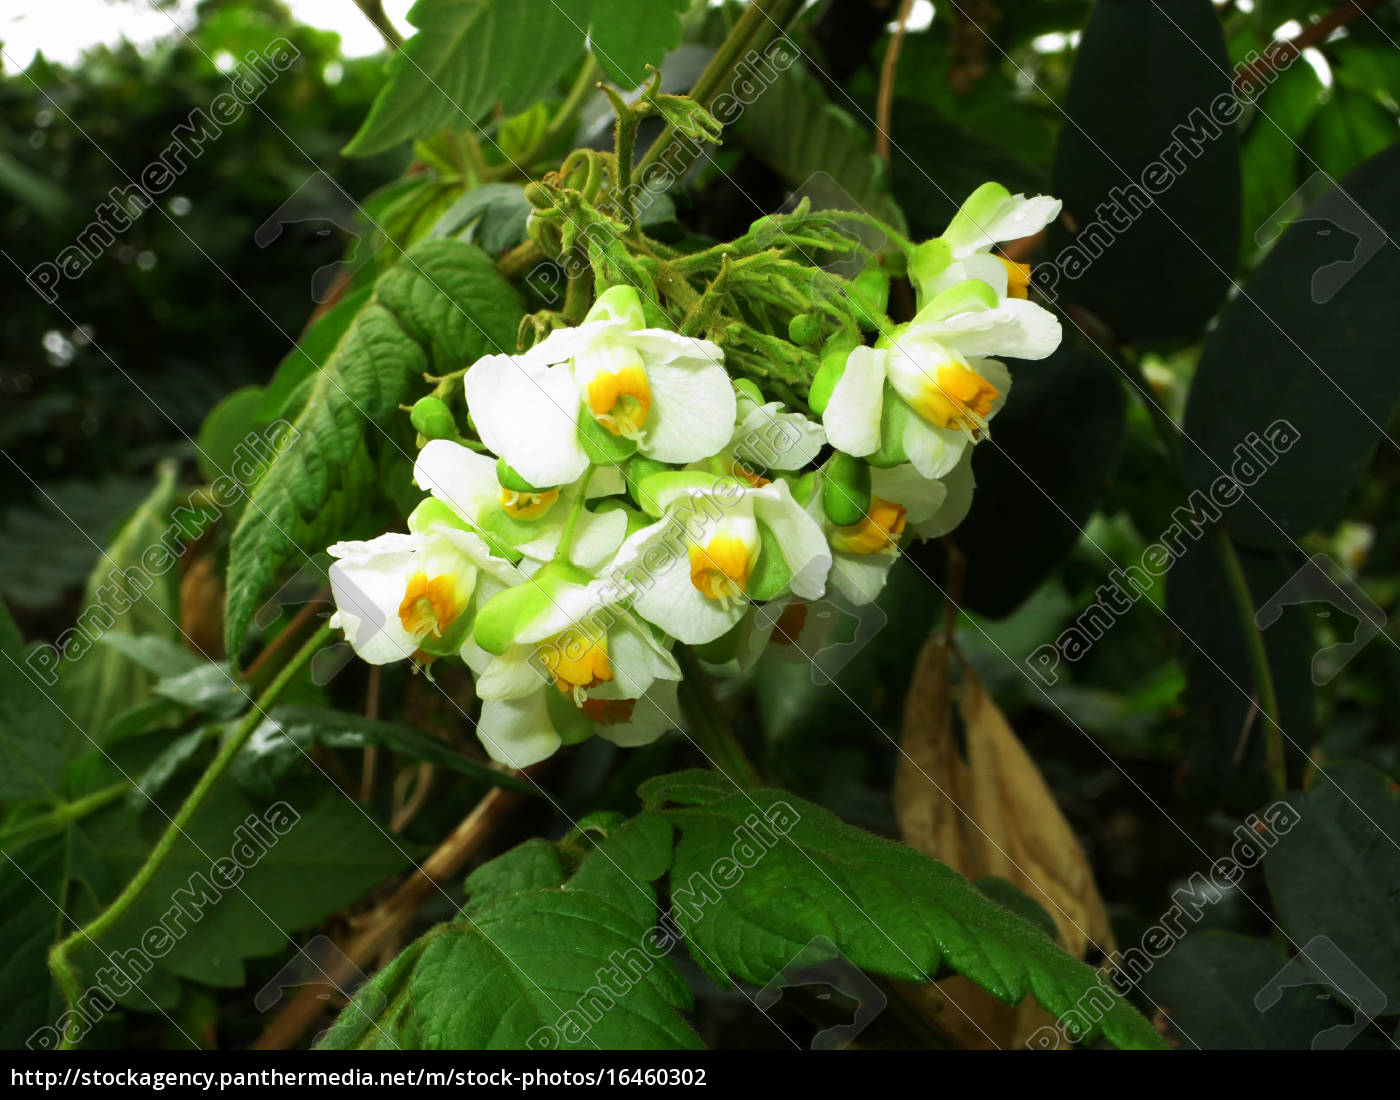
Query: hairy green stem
(59,956)
(712,733)
(63,815)
(761,22)
(1262,674)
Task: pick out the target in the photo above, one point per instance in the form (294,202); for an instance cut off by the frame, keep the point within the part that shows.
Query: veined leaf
(441,308)
(886,907)
(34,735)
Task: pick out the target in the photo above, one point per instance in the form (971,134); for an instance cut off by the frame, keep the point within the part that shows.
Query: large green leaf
(1206,986)
(467,56)
(628,35)
(1337,874)
(440,309)
(32,882)
(34,735)
(324,840)
(804,874)
(1349,128)
(1306,355)
(1143,84)
(530,947)
(99,682)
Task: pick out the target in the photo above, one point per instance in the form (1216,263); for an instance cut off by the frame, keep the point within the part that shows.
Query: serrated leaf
(441,308)
(628,35)
(526,952)
(466,56)
(1336,873)
(886,907)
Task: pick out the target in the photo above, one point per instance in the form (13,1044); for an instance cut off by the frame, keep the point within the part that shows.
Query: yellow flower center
(609,712)
(1018,278)
(621,402)
(721,569)
(744,472)
(577,661)
(528,505)
(428,606)
(879,530)
(956,397)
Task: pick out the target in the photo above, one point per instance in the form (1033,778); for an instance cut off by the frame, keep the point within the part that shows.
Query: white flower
(718,545)
(411,595)
(862,553)
(600,391)
(768,438)
(990,216)
(926,390)
(570,662)
(530,523)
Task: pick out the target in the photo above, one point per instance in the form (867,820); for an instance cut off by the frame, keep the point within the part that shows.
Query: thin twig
(885,104)
(1281,52)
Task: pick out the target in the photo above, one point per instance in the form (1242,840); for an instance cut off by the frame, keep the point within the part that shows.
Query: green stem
(63,815)
(59,962)
(567,537)
(1262,674)
(374,12)
(712,733)
(761,22)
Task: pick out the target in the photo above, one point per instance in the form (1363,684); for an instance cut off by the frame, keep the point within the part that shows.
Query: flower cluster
(622,493)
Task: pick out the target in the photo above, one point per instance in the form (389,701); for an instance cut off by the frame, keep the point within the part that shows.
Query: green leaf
(288,733)
(467,56)
(1349,128)
(34,735)
(628,35)
(440,309)
(224,435)
(795,873)
(271,854)
(285,394)
(496,978)
(1143,84)
(99,682)
(32,887)
(1206,986)
(494,213)
(1304,358)
(210,688)
(817,147)
(1336,873)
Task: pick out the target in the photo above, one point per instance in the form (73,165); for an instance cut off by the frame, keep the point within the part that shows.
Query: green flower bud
(870,294)
(846,491)
(433,419)
(803,328)
(833,366)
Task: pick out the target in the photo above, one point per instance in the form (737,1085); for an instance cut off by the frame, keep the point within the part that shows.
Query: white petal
(933,451)
(956,504)
(852,417)
(768,438)
(368,583)
(514,674)
(1017,327)
(985,268)
(517,732)
(597,537)
(800,538)
(860,577)
(657,346)
(1023,217)
(658,569)
(528,414)
(564,344)
(692,411)
(462,479)
(653,715)
(904,485)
